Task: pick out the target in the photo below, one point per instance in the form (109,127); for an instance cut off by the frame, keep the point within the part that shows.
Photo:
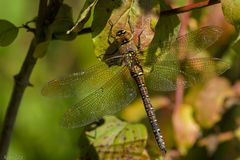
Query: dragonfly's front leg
(139,40)
(110,35)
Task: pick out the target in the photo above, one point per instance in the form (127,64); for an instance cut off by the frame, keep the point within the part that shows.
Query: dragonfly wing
(198,69)
(79,84)
(190,43)
(110,98)
(163,76)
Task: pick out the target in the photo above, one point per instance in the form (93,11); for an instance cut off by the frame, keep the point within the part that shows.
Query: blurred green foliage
(37,133)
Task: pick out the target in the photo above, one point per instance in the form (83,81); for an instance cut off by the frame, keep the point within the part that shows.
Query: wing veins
(90,101)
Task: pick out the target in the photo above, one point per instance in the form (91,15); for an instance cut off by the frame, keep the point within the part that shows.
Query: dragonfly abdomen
(137,74)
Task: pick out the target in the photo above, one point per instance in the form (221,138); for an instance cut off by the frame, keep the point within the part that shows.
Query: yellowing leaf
(185,128)
(119,140)
(237,133)
(137,109)
(231,10)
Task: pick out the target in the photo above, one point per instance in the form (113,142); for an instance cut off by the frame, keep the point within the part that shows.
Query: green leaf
(62,23)
(166,29)
(137,16)
(231,11)
(83,16)
(8,32)
(119,140)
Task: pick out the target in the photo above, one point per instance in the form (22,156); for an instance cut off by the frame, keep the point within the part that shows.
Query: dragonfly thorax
(130,59)
(123,37)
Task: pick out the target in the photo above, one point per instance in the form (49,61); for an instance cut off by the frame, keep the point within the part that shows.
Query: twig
(28,28)
(189,7)
(22,78)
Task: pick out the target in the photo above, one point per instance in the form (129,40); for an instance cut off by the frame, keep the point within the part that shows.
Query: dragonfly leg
(108,54)
(114,60)
(110,35)
(139,40)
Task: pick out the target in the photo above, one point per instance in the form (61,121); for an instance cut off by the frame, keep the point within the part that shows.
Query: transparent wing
(163,75)
(80,84)
(193,42)
(190,43)
(110,98)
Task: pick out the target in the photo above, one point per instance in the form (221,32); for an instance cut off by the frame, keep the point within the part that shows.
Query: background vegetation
(205,126)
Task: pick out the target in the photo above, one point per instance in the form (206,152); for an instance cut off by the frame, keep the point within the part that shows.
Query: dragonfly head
(123,37)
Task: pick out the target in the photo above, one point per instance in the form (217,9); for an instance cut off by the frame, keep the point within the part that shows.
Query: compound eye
(121,32)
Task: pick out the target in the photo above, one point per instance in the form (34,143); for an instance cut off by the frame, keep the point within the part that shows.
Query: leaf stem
(28,28)
(21,80)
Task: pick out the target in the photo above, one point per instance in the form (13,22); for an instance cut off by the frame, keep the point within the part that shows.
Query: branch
(22,78)
(189,7)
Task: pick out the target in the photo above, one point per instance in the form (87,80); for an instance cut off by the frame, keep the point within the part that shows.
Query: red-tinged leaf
(209,103)
(236,88)
(136,16)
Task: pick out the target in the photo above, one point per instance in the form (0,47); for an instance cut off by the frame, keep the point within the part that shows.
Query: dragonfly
(105,89)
